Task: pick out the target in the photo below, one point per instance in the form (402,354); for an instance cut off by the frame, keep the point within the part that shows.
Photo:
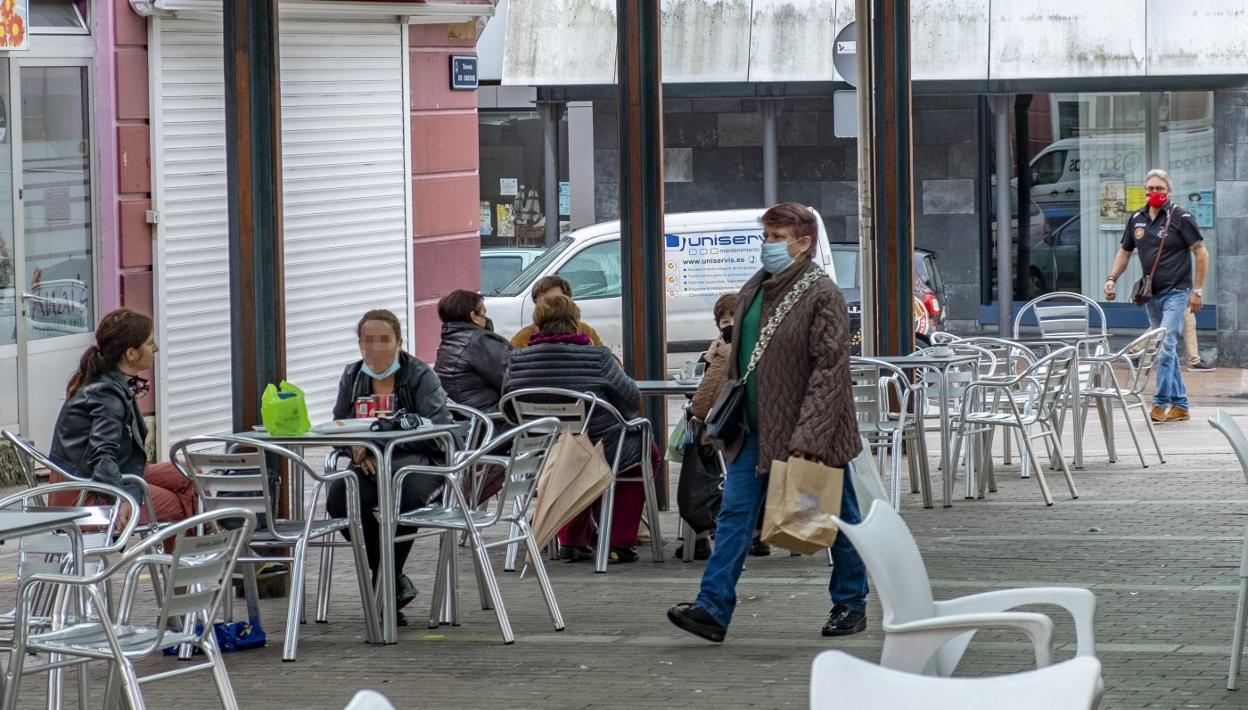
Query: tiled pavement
(1159,546)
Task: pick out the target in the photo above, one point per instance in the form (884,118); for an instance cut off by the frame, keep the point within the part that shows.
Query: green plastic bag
(284,410)
(676,442)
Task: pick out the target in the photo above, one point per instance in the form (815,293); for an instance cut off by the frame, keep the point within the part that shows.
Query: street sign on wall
(463,73)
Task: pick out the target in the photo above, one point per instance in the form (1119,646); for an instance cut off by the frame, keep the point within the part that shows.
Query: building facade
(115,115)
(1123,91)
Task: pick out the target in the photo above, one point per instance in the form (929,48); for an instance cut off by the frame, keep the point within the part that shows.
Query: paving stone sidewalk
(1160,547)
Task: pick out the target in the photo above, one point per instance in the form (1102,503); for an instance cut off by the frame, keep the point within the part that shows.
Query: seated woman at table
(559,355)
(471,357)
(384,368)
(100,432)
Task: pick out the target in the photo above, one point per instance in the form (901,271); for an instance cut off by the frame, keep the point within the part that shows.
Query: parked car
(929,292)
(706,254)
(501,265)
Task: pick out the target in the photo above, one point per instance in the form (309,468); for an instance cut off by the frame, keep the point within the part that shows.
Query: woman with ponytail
(100,432)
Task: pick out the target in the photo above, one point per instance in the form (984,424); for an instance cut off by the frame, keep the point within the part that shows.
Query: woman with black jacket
(385,369)
(559,356)
(100,432)
(471,357)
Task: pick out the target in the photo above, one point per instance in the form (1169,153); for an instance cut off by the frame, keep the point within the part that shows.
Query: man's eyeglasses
(1156,188)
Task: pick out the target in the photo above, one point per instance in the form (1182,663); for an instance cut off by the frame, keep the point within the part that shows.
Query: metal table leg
(386,571)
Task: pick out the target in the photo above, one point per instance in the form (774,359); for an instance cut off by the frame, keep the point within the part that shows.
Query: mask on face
(1157,199)
(776,257)
(394,367)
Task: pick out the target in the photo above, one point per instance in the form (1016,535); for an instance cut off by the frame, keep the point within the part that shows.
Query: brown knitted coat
(805,400)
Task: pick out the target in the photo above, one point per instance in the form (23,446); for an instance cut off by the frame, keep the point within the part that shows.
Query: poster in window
(505,220)
(1112,197)
(565,199)
(1136,197)
(1200,204)
(487,225)
(508,187)
(14,20)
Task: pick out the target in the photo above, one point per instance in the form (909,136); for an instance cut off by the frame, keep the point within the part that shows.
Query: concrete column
(1001,108)
(581,162)
(771,161)
(551,112)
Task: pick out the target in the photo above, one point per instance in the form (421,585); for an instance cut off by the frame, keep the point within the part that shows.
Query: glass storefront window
(1089,155)
(512,179)
(56,177)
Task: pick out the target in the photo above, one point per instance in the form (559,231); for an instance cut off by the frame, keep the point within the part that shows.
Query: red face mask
(1157,199)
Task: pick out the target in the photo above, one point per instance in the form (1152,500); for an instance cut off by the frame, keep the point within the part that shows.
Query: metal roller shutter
(344,180)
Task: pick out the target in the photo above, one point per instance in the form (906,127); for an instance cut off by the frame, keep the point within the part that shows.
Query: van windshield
(525,280)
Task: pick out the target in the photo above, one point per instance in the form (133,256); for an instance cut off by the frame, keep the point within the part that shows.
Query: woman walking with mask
(799,404)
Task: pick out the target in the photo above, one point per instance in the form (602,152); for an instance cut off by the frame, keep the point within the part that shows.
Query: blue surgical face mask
(394,367)
(776,257)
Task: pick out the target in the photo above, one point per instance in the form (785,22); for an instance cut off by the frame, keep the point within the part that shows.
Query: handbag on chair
(727,421)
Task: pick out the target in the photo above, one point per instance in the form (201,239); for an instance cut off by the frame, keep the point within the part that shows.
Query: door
(47,288)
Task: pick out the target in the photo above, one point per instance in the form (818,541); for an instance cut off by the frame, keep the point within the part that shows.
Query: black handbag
(699,491)
(727,420)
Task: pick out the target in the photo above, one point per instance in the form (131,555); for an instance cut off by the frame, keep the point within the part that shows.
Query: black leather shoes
(697,621)
(843,621)
(405,592)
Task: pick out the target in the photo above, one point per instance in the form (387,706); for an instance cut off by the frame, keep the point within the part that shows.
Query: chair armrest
(1078,602)
(334,458)
(146,495)
(925,638)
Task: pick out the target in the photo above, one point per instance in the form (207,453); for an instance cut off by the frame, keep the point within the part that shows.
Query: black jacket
(416,389)
(100,433)
(471,363)
(583,368)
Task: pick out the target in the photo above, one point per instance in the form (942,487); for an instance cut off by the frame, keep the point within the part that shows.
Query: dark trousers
(417,488)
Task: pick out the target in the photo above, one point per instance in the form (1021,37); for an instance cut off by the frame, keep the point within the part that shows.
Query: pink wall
(123,108)
(445,183)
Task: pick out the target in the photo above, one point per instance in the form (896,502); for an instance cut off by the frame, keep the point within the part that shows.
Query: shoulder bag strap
(790,300)
(1162,244)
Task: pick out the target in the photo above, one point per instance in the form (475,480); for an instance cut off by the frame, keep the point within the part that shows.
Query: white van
(707,254)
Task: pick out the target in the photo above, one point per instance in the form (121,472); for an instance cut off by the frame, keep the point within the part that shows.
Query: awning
(412,11)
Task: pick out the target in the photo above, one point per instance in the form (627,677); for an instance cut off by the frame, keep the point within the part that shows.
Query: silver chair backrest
(28,457)
(229,480)
(1012,358)
(1062,314)
(524,467)
(199,573)
(480,427)
(1148,347)
(958,377)
(878,390)
(572,409)
(105,529)
(1053,373)
(941,337)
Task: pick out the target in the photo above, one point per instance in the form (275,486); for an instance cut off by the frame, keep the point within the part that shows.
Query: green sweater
(751,327)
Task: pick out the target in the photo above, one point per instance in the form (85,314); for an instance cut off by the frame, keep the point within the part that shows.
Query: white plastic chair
(1239,443)
(925,636)
(369,700)
(838,680)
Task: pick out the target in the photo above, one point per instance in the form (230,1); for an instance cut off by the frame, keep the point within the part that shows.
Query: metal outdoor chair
(112,516)
(839,680)
(1062,314)
(1140,358)
(1012,359)
(574,411)
(884,402)
(528,445)
(1239,444)
(29,457)
(196,580)
(232,472)
(957,378)
(1046,382)
(942,337)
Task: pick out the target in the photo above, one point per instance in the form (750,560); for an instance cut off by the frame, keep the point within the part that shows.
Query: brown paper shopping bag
(573,476)
(802,497)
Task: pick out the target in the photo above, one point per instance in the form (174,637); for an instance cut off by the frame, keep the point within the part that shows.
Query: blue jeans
(744,491)
(1167,312)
